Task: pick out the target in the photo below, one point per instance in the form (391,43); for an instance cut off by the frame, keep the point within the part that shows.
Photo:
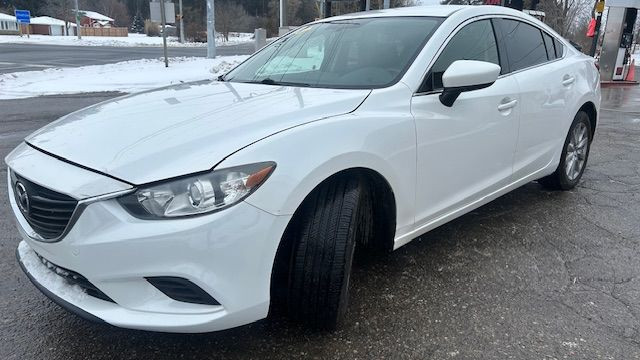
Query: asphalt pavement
(30,57)
(532,275)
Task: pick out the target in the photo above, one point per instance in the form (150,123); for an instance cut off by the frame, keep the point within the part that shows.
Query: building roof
(95,15)
(48,20)
(7,17)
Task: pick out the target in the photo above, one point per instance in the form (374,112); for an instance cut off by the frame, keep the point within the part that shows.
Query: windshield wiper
(270,81)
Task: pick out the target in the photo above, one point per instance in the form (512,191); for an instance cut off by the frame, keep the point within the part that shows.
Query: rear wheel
(325,231)
(575,154)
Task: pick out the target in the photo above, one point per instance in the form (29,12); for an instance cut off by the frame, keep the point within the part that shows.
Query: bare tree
(116,10)
(230,16)
(565,16)
(59,9)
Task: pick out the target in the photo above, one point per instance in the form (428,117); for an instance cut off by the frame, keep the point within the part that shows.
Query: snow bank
(47,278)
(129,41)
(128,76)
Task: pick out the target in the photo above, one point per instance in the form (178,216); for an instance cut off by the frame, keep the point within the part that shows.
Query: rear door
(545,82)
(464,152)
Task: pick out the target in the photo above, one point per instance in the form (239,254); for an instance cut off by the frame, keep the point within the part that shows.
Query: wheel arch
(590,108)
(384,207)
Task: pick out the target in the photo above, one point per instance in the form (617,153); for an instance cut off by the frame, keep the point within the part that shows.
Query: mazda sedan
(202,206)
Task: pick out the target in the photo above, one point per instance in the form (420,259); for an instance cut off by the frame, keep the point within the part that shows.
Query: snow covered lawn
(131,40)
(127,76)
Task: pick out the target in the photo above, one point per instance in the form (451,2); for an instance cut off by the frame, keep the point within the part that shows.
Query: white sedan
(199,207)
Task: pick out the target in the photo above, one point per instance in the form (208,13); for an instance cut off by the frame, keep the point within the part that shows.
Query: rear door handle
(507,104)
(568,80)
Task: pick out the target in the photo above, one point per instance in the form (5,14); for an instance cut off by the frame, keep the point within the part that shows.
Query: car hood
(183,129)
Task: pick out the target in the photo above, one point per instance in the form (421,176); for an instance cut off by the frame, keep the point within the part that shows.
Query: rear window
(523,43)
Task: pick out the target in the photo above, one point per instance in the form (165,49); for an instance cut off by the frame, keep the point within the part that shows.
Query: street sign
(23,16)
(169,12)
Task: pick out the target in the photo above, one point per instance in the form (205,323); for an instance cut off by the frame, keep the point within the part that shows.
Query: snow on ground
(127,76)
(131,40)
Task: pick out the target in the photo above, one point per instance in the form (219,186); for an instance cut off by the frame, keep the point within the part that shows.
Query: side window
(523,43)
(475,41)
(548,43)
(559,48)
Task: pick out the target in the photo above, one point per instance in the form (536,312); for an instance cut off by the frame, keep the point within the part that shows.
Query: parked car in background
(197,207)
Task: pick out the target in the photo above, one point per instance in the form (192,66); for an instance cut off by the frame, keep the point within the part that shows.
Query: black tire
(560,180)
(325,232)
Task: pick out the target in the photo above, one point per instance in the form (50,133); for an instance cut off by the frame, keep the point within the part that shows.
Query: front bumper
(228,254)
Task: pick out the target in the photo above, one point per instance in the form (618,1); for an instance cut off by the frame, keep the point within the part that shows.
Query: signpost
(23,17)
(164,12)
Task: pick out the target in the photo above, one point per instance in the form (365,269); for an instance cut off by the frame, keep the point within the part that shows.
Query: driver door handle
(507,103)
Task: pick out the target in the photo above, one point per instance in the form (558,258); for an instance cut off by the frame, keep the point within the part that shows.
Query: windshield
(354,54)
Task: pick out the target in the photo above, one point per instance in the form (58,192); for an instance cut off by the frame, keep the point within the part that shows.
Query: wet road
(29,57)
(532,275)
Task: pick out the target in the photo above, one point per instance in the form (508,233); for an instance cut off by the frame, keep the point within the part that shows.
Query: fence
(112,31)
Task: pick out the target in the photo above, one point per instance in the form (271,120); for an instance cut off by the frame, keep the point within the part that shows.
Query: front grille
(47,211)
(74,278)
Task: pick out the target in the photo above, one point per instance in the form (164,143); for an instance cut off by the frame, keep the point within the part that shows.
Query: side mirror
(467,75)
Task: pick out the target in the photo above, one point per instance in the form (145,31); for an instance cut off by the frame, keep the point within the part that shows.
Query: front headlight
(196,194)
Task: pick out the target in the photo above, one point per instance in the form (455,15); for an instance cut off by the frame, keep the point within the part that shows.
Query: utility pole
(163,16)
(181,23)
(78,22)
(211,30)
(283,13)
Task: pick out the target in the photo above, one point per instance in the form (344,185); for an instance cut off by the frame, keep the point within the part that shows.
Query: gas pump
(615,58)
(623,59)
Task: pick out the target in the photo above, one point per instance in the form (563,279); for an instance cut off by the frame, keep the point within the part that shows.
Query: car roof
(427,10)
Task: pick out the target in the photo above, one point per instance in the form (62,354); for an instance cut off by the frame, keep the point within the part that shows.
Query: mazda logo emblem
(22,197)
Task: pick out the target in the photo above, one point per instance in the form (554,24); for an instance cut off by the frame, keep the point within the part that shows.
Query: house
(94,19)
(46,25)
(8,25)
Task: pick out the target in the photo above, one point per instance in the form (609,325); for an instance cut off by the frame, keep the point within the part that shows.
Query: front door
(466,151)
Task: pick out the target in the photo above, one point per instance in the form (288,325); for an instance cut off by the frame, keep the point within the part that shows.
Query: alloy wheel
(576,154)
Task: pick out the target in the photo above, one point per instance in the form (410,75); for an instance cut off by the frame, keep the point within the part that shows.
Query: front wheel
(575,154)
(325,233)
